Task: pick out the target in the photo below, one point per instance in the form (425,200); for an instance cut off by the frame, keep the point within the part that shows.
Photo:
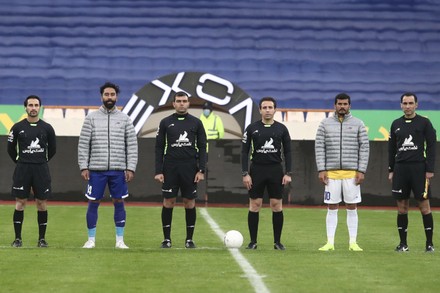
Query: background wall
(224,184)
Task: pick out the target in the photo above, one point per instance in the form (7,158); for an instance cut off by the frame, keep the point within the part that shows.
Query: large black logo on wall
(206,86)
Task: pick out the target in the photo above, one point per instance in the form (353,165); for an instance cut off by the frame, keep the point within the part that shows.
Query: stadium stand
(50,113)
(295,116)
(315,116)
(302,52)
(279,116)
(301,130)
(75,113)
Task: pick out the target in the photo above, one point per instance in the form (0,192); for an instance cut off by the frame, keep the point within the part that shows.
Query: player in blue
(107,155)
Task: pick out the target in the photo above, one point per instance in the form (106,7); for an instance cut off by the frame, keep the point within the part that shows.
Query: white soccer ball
(233,239)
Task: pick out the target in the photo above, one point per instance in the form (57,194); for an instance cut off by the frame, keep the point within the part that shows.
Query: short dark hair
(107,85)
(407,94)
(32,97)
(342,96)
(268,99)
(180,94)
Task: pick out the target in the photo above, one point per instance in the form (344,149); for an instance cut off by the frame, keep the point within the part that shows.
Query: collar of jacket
(105,111)
(347,116)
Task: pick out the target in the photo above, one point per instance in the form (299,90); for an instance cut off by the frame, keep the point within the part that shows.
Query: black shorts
(266,176)
(180,175)
(409,177)
(35,176)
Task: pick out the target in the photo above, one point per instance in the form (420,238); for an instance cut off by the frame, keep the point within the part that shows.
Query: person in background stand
(269,140)
(180,164)
(213,125)
(107,155)
(342,150)
(411,156)
(31,144)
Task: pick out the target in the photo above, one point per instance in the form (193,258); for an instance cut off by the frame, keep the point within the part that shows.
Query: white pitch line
(251,274)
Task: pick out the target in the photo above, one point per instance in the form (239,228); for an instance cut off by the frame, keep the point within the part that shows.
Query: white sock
(119,238)
(331,223)
(352,224)
(92,239)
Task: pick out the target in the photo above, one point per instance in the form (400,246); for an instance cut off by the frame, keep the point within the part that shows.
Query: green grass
(66,267)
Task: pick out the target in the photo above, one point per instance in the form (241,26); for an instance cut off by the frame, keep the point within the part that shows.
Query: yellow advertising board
(9,115)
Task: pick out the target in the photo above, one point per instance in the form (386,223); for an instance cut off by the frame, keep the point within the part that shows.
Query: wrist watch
(244,173)
(202,171)
(289,174)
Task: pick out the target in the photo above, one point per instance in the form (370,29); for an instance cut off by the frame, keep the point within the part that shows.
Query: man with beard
(107,155)
(342,151)
(31,144)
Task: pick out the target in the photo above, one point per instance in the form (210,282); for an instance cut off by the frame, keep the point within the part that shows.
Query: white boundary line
(255,280)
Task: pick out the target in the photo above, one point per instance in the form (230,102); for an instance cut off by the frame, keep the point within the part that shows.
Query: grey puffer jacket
(107,142)
(342,145)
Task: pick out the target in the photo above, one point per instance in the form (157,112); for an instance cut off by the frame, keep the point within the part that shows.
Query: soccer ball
(233,239)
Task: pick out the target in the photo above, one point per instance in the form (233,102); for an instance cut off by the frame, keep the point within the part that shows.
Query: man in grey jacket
(107,155)
(342,151)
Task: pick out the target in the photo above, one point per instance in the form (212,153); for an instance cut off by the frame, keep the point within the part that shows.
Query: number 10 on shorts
(326,195)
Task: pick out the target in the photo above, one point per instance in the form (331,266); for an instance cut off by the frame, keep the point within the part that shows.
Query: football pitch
(66,267)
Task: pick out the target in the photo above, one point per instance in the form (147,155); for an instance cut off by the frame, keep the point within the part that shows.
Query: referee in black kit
(180,164)
(269,139)
(411,155)
(31,144)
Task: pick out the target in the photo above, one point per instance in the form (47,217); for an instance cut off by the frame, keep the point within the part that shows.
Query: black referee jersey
(268,141)
(180,137)
(31,142)
(409,138)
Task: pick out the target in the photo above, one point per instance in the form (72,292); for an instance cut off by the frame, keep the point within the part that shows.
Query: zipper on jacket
(108,140)
(340,143)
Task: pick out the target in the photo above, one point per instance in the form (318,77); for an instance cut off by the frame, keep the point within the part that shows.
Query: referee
(269,140)
(180,164)
(31,144)
(411,155)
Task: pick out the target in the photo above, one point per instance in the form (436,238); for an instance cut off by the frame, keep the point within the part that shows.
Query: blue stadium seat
(297,51)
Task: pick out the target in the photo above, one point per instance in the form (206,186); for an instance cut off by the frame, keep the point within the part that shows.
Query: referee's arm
(392,149)
(431,139)
(287,151)
(160,148)
(12,145)
(245,147)
(52,143)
